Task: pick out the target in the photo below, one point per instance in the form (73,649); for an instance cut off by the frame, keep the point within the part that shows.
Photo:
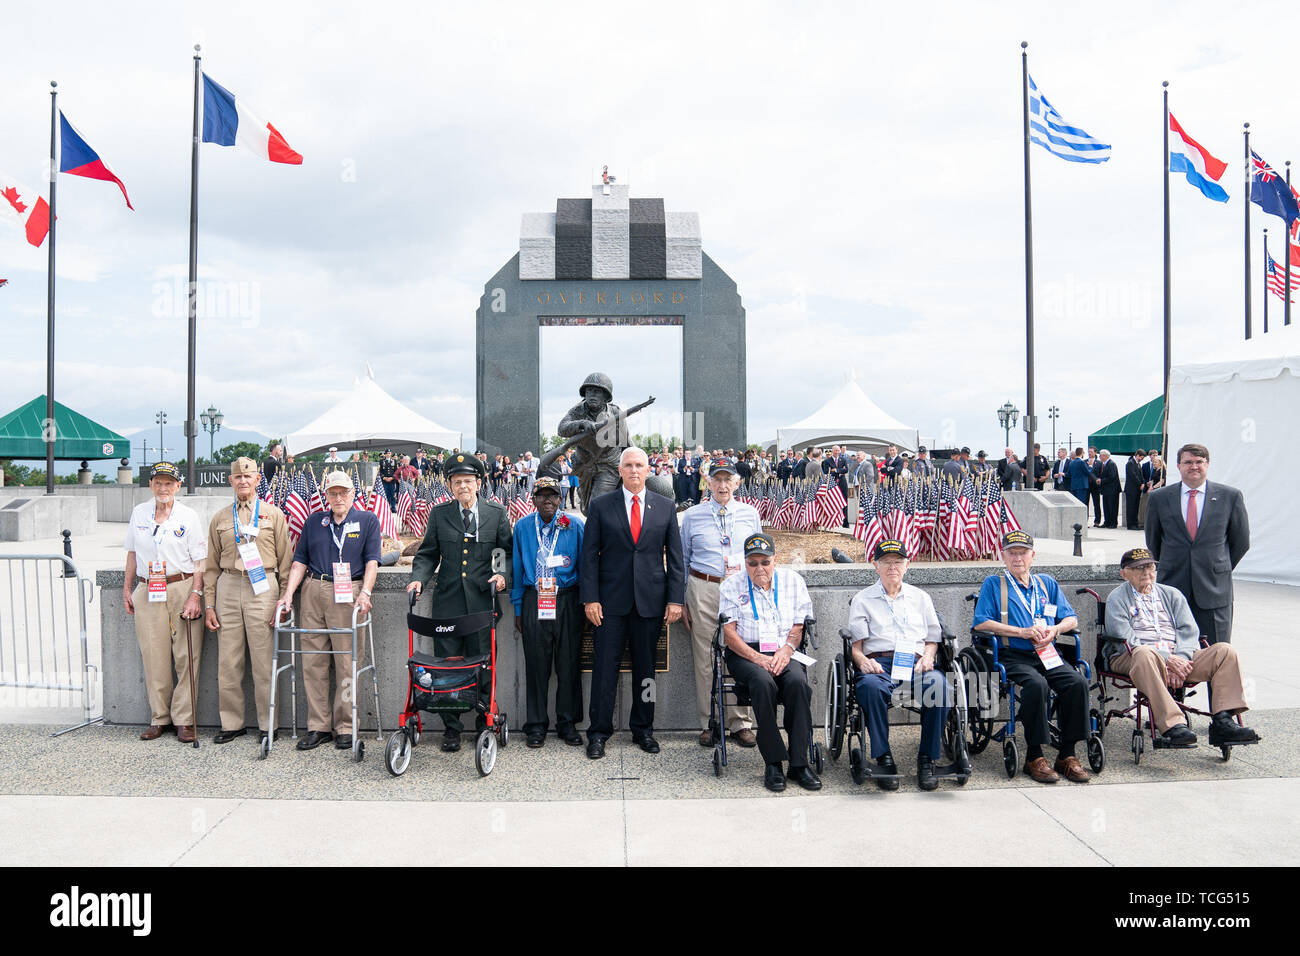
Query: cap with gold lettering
(1136,558)
(243,466)
(165,469)
(759,544)
(889,546)
(547,485)
(1017,539)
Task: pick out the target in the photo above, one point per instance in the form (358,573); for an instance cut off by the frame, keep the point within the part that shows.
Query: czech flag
(76,158)
(227,121)
(25,207)
(1189,157)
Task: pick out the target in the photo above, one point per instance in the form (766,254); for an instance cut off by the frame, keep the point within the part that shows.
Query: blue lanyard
(549,532)
(776,595)
(234,510)
(1032,604)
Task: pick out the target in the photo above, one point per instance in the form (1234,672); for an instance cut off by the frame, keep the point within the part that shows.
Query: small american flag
(295,505)
(1277,279)
(379,508)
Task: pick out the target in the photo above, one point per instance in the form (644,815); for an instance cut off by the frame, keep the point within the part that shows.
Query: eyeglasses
(759,562)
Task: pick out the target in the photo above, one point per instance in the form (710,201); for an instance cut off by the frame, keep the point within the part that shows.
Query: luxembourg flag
(25,208)
(227,121)
(1189,157)
(76,158)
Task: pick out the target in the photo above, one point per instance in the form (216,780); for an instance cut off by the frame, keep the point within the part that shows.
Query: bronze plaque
(587,651)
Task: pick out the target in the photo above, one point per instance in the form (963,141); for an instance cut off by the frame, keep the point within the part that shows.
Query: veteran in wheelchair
(895,638)
(1153,640)
(763,613)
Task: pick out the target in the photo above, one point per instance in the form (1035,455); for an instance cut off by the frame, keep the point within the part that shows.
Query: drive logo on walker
(76,909)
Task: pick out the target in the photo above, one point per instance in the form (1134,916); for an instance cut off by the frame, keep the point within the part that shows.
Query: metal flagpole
(1266,282)
(49,429)
(190,425)
(1286,259)
(1029,264)
(1246,204)
(1164,173)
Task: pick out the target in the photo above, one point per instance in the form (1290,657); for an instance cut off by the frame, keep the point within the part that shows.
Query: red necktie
(636,518)
(1191,513)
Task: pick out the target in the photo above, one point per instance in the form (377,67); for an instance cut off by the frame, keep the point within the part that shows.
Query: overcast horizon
(857,172)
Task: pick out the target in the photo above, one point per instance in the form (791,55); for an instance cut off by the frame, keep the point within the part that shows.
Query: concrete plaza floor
(100,796)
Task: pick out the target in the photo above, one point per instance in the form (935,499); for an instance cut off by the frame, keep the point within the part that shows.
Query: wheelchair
(846,723)
(992,687)
(1109,681)
(724,684)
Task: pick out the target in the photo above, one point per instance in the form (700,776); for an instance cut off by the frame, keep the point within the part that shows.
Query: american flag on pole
(1277,278)
(378,506)
(316,502)
(295,505)
(405,502)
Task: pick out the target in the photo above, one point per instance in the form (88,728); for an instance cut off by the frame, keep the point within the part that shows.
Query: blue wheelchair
(991,687)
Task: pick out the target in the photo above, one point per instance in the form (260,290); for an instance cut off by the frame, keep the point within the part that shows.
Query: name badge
(249,531)
(731,563)
(253,565)
(1047,654)
(904,659)
(769,639)
(546,599)
(342,582)
(1049,610)
(555,561)
(351,526)
(157,582)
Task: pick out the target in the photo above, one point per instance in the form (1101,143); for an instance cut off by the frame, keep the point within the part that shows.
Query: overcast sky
(857,171)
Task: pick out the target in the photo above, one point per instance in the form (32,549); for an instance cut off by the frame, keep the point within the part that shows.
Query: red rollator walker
(449,685)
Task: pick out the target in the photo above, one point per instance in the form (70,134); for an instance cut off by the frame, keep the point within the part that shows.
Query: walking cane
(189,665)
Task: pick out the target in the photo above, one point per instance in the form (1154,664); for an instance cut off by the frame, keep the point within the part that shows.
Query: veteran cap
(165,469)
(759,544)
(1017,539)
(889,546)
(546,484)
(336,479)
(243,466)
(722,466)
(1136,558)
(463,464)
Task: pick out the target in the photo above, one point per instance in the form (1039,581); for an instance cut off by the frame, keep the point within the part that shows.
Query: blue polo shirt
(359,534)
(1045,591)
(568,545)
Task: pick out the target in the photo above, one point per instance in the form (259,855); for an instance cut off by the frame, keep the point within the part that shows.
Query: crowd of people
(630,568)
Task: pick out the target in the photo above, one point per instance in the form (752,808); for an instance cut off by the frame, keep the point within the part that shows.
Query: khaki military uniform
(245,618)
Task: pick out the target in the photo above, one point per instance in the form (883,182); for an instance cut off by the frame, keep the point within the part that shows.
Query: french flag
(1189,157)
(24,207)
(227,121)
(76,158)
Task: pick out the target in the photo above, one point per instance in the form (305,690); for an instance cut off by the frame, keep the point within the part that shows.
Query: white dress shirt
(627,504)
(1184,497)
(877,620)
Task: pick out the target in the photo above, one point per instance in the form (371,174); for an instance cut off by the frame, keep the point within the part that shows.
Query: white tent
(852,418)
(1245,413)
(370,418)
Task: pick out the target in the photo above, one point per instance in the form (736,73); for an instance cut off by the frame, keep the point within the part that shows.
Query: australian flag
(1270,192)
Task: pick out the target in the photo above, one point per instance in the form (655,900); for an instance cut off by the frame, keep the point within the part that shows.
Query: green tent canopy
(1140,428)
(76,436)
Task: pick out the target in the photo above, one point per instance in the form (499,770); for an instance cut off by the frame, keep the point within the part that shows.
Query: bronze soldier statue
(596,430)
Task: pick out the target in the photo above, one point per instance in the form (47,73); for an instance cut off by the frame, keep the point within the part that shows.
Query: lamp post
(211,419)
(1053,413)
(1007,416)
(161,419)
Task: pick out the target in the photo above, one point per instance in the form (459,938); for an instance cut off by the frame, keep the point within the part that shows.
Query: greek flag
(1048,130)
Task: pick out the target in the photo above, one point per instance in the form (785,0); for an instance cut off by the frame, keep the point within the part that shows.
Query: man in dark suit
(1198,531)
(1079,479)
(784,467)
(468,528)
(1108,484)
(631,533)
(1133,482)
(1061,471)
(1094,485)
(893,462)
(1011,471)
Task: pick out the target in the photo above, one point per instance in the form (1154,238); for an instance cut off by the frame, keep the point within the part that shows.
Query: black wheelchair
(846,723)
(724,684)
(992,687)
(1109,682)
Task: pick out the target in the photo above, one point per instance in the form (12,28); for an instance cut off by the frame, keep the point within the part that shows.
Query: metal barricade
(43,644)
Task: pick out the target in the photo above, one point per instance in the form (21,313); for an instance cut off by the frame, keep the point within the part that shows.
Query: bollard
(1078,540)
(67,552)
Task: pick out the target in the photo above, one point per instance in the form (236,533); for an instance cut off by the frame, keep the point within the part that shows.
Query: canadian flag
(24,206)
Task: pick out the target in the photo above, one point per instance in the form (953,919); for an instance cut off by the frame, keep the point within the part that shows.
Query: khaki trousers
(245,619)
(319,610)
(702,603)
(1217,663)
(165,652)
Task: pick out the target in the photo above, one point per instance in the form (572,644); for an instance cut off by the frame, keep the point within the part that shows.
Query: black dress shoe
(1179,735)
(226,736)
(450,741)
(647,743)
(773,778)
(925,777)
(1224,729)
(314,739)
(536,740)
(805,778)
(886,765)
(571,737)
(595,747)
(343,742)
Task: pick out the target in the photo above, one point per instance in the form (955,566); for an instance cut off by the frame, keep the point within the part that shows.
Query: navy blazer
(1080,474)
(626,578)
